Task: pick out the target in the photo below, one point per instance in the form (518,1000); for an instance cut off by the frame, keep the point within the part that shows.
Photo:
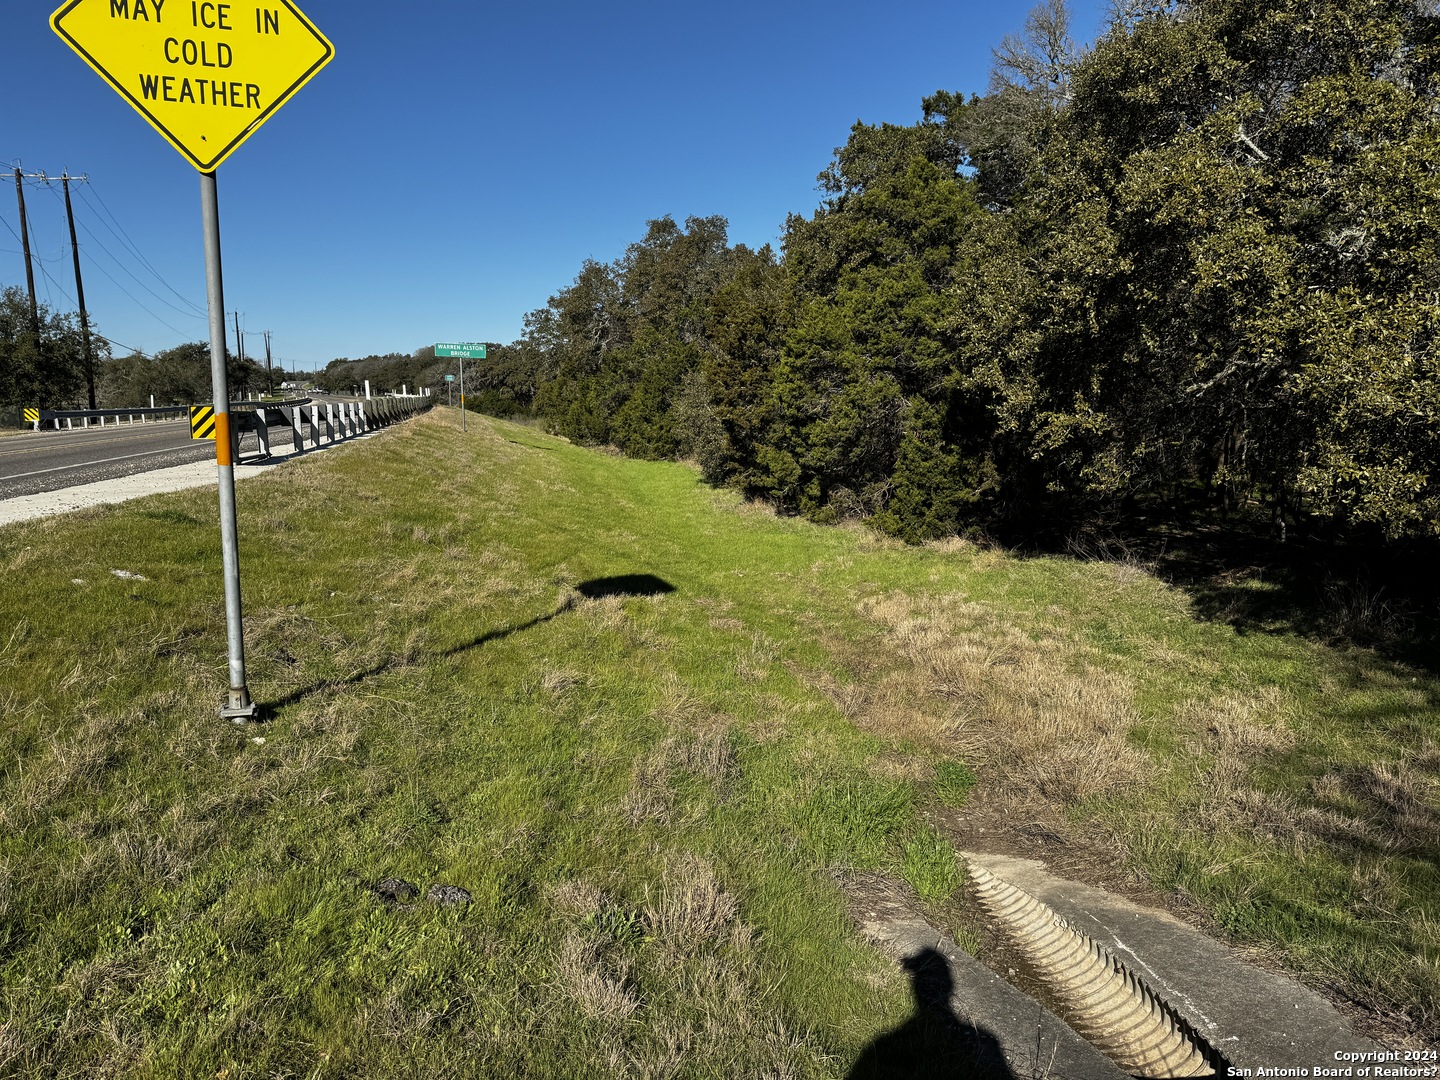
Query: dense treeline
(178,376)
(47,370)
(44,369)
(1197,260)
(502,386)
(386,373)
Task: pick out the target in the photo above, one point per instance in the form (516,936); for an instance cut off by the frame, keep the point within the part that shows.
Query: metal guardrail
(68,419)
(85,418)
(317,424)
(312,424)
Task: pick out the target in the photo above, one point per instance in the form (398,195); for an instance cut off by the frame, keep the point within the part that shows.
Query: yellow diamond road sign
(205,74)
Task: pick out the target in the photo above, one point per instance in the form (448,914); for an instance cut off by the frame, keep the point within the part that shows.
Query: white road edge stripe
(86,464)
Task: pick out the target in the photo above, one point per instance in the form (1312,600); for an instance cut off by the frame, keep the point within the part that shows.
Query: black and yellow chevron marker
(202,422)
(32,416)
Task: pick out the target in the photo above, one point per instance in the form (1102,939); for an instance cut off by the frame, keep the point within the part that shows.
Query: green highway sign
(467,350)
(449,378)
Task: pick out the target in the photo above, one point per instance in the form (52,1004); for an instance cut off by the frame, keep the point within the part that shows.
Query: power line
(131,349)
(130,248)
(122,266)
(101,268)
(107,273)
(34,257)
(134,248)
(13,233)
(34,254)
(57,285)
(141,306)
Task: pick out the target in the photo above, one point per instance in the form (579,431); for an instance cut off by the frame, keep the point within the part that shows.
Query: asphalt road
(38,461)
(50,460)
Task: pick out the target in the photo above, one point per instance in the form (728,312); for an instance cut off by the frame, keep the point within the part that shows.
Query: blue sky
(456,162)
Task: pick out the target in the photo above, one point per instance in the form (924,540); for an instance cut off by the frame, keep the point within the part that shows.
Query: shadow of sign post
(624,585)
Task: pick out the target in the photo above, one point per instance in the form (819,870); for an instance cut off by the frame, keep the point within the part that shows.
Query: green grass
(646,795)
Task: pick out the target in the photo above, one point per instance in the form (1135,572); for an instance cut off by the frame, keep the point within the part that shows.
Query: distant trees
(1197,260)
(386,373)
(503,384)
(178,376)
(44,370)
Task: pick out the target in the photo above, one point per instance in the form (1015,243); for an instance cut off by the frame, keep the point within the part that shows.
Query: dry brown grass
(753,663)
(395,1016)
(693,910)
(705,752)
(606,613)
(650,797)
(950,545)
(696,950)
(1385,808)
(912,768)
(1386,805)
(704,955)
(1036,705)
(559,682)
(69,765)
(699,743)
(757,508)
(1382,807)
(594,982)
(1241,727)
(577,898)
(10,1045)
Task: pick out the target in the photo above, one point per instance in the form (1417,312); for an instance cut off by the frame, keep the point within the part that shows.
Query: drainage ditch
(1112,1007)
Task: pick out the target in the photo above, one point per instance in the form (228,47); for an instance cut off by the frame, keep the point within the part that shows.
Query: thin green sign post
(463,350)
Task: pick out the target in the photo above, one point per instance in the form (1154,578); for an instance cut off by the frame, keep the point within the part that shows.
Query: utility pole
(25,244)
(269,372)
(80,291)
(240,350)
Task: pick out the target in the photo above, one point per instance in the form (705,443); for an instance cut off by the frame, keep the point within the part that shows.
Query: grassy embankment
(645,790)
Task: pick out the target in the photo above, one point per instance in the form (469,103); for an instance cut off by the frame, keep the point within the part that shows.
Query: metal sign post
(238,707)
(154,56)
(472,350)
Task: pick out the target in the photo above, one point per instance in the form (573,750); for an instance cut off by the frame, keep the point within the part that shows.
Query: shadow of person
(934,1042)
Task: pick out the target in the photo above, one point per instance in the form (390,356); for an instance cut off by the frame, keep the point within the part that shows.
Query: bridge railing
(68,419)
(313,424)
